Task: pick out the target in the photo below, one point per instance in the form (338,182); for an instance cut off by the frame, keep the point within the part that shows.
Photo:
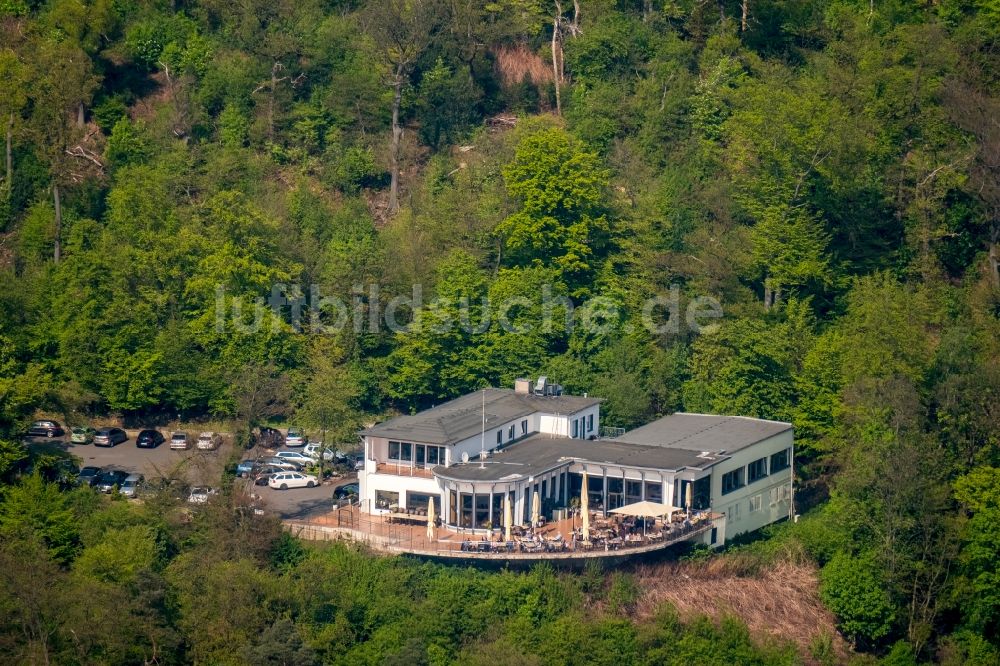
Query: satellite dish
(465,456)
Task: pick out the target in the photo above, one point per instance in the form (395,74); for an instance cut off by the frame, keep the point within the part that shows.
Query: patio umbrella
(430,520)
(645,509)
(507,518)
(536,509)
(585,509)
(690,501)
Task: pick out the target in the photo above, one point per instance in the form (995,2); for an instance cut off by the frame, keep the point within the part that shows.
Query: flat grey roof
(539,453)
(704,432)
(462,417)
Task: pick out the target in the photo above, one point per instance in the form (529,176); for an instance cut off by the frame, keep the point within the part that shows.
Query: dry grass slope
(517,63)
(780,601)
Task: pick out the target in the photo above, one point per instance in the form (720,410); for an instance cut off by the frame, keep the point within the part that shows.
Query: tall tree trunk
(81,115)
(397,136)
(768,294)
(555,63)
(995,254)
(745,12)
(10,154)
(58,202)
(270,100)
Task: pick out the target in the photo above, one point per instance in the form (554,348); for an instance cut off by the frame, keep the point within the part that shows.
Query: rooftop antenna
(482,440)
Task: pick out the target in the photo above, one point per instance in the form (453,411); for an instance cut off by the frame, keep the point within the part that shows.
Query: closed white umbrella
(690,497)
(585,508)
(507,518)
(536,509)
(430,520)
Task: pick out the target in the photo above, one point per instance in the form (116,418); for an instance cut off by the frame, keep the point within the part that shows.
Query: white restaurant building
(466,454)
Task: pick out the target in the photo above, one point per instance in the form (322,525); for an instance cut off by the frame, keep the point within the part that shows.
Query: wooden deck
(410,537)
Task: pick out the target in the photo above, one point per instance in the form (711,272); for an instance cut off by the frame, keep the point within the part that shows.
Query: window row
(420,454)
(755,471)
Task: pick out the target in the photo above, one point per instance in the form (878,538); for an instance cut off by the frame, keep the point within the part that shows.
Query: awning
(645,509)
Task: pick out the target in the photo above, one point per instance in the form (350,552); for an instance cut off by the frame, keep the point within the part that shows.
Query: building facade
(466,455)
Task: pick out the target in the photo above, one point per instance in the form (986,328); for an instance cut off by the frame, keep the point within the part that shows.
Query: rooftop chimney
(522,385)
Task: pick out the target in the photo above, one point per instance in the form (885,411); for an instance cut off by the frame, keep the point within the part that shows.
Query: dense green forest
(827,171)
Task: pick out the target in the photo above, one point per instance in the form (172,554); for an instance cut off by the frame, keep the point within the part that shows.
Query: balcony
(403,468)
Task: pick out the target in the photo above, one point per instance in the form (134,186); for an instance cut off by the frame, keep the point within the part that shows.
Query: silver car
(130,486)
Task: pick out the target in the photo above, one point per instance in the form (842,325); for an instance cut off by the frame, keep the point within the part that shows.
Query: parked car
(296,437)
(264,473)
(201,494)
(282,464)
(149,439)
(295,457)
(110,437)
(109,480)
(313,451)
(245,468)
(179,441)
(349,491)
(286,480)
(208,441)
(130,486)
(269,438)
(82,435)
(46,428)
(88,475)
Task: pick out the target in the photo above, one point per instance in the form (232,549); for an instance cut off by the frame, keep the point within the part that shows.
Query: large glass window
(401,451)
(757,470)
(435,455)
(524,427)
(482,510)
(510,431)
(780,460)
(633,491)
(499,436)
(386,499)
(497,504)
(654,491)
(701,493)
(576,428)
(420,501)
(732,481)
(467,516)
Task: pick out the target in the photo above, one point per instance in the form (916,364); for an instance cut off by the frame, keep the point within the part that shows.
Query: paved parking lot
(194,466)
(199,468)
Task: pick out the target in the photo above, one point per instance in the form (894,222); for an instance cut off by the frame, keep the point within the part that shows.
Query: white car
(179,441)
(296,437)
(208,441)
(312,450)
(200,494)
(286,480)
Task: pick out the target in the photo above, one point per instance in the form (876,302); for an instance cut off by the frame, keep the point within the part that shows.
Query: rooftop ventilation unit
(542,386)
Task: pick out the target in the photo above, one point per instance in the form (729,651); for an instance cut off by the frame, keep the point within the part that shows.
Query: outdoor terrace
(560,540)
